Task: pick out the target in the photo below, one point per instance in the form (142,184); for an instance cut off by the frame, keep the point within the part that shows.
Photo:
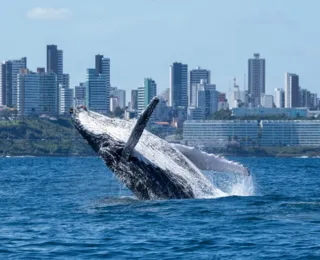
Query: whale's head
(102,133)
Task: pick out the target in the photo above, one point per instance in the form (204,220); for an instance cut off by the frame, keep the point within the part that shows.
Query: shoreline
(302,156)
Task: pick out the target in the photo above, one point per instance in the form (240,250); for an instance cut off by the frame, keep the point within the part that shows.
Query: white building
(252,133)
(266,111)
(140,100)
(120,94)
(220,132)
(266,101)
(279,97)
(114,103)
(292,98)
(28,93)
(66,100)
(195,113)
(290,133)
(234,96)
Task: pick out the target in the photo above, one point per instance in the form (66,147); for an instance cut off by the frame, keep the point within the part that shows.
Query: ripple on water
(73,208)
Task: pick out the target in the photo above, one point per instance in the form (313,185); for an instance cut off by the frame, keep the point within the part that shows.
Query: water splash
(243,186)
(232,184)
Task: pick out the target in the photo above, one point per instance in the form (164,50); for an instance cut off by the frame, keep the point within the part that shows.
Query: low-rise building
(220,132)
(265,111)
(290,133)
(264,133)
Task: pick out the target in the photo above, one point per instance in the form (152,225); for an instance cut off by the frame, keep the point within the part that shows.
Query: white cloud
(39,13)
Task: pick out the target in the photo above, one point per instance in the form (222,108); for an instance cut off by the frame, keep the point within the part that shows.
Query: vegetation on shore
(41,137)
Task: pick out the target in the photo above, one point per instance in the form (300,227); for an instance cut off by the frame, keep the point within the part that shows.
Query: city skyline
(229,42)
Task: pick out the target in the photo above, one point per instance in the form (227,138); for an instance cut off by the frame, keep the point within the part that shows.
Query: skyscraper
(49,93)
(150,90)
(196,76)
(305,98)
(97,95)
(3,90)
(207,98)
(292,98)
(55,62)
(134,99)
(102,66)
(140,100)
(8,82)
(28,93)
(52,58)
(98,64)
(178,85)
(256,79)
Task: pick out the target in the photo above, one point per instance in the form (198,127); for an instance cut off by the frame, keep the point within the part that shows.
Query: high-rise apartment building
(134,99)
(37,93)
(28,93)
(118,97)
(305,98)
(279,97)
(97,93)
(55,62)
(196,76)
(2,84)
(145,95)
(66,100)
(140,100)
(207,98)
(8,81)
(49,93)
(256,79)
(102,66)
(150,90)
(178,85)
(292,97)
(80,95)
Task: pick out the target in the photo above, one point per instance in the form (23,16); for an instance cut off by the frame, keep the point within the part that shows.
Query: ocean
(74,208)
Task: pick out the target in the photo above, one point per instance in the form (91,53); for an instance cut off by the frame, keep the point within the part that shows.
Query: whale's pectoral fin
(211,162)
(138,129)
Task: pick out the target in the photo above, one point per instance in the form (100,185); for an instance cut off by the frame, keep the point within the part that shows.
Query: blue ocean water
(73,208)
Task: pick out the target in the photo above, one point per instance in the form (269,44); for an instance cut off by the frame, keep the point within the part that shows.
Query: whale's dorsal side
(138,129)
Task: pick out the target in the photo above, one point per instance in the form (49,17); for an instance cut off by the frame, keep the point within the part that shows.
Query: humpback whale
(149,166)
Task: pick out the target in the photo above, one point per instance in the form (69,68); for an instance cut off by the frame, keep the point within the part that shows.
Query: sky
(144,37)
